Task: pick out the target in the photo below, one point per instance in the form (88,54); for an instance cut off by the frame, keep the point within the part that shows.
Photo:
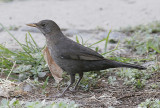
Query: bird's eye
(43,25)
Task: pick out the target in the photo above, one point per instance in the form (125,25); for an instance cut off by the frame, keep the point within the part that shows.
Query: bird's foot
(73,90)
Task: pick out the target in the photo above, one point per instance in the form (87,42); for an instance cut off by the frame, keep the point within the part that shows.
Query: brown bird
(73,57)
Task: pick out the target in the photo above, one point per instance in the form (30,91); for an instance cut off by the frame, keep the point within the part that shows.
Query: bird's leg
(80,77)
(72,76)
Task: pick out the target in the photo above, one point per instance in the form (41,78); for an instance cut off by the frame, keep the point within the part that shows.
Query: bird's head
(46,26)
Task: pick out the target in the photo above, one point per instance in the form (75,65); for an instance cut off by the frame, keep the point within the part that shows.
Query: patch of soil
(117,95)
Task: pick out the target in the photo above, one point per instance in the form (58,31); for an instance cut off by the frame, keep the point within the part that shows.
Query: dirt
(117,95)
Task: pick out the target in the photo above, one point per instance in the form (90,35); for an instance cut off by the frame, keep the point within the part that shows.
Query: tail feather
(128,65)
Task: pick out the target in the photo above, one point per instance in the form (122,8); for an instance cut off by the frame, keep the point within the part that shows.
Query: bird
(73,57)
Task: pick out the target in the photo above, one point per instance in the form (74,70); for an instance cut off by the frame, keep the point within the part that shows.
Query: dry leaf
(53,67)
(8,89)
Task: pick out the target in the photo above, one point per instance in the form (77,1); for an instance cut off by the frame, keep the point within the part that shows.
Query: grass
(6,0)
(15,103)
(145,38)
(144,44)
(134,77)
(150,103)
(153,27)
(29,61)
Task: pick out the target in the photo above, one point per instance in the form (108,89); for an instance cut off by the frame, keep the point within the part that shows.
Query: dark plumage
(73,57)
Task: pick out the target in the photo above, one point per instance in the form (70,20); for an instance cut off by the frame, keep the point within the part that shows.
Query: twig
(14,64)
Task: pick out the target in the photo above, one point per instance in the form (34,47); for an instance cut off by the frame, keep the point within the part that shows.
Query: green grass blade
(16,40)
(116,48)
(6,50)
(35,44)
(82,40)
(97,42)
(158,51)
(45,83)
(11,35)
(77,40)
(106,41)
(33,39)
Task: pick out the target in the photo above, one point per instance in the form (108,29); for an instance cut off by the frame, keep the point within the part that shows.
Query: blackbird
(73,57)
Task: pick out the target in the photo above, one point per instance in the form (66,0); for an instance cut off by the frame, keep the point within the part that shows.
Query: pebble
(27,88)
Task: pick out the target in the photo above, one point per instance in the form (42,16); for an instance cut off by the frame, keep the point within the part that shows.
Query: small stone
(22,76)
(41,74)
(27,88)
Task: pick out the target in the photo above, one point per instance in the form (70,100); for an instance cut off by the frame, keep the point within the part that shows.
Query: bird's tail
(115,64)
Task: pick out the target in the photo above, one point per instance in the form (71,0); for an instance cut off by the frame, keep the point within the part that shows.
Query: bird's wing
(81,56)
(79,52)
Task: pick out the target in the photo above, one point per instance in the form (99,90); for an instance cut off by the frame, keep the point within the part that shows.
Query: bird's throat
(54,38)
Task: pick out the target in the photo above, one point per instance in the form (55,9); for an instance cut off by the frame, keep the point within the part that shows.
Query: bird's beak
(32,25)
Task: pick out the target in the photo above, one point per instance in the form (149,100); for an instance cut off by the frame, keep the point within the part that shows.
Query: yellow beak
(32,25)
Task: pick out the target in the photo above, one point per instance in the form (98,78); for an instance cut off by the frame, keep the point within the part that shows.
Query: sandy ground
(78,14)
(74,15)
